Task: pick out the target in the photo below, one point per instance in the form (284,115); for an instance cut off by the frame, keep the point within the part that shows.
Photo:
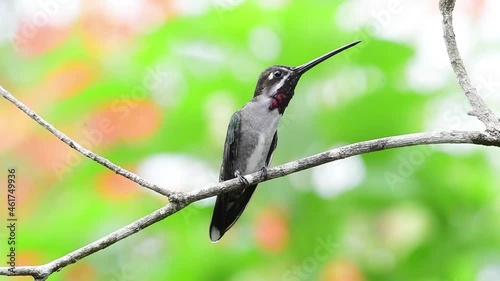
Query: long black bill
(299,70)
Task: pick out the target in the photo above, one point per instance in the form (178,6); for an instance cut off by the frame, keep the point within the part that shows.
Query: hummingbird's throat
(280,101)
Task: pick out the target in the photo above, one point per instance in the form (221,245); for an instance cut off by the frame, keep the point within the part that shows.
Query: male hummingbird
(252,137)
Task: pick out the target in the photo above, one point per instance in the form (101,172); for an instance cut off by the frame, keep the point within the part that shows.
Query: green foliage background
(419,213)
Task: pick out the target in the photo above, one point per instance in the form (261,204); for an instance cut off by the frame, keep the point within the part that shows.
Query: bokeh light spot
(334,178)
(265,43)
(117,187)
(272,232)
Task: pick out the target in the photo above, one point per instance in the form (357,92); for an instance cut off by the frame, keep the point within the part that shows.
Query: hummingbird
(252,138)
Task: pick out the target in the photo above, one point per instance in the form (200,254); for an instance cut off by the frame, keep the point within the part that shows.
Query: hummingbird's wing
(225,202)
(274,144)
(230,205)
(228,168)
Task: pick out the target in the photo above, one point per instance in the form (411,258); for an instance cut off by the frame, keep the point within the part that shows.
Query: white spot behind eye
(279,85)
(271,76)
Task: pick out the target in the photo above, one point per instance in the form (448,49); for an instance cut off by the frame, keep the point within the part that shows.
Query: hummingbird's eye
(277,74)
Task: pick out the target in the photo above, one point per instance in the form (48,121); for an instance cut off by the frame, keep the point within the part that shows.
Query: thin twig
(85,152)
(181,201)
(479,108)
(41,272)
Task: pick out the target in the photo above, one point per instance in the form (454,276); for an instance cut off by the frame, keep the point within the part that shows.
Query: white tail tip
(215,234)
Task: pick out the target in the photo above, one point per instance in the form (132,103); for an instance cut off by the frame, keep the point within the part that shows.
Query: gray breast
(258,125)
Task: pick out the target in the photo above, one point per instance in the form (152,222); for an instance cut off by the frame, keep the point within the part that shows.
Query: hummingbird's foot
(264,172)
(241,178)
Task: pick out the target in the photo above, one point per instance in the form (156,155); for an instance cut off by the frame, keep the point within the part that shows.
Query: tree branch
(181,200)
(479,108)
(85,152)
(453,137)
(41,272)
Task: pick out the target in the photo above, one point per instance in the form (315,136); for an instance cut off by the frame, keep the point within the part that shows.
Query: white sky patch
(179,172)
(125,10)
(429,69)
(54,13)
(35,15)
(450,113)
(9,24)
(264,43)
(485,76)
(489,272)
(334,178)
(489,18)
(343,15)
(394,20)
(388,19)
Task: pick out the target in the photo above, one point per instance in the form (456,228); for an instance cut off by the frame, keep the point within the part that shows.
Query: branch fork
(479,108)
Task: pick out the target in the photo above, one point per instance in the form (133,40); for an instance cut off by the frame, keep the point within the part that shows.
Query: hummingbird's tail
(227,210)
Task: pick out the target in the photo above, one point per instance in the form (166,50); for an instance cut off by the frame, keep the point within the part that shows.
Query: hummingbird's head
(277,83)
